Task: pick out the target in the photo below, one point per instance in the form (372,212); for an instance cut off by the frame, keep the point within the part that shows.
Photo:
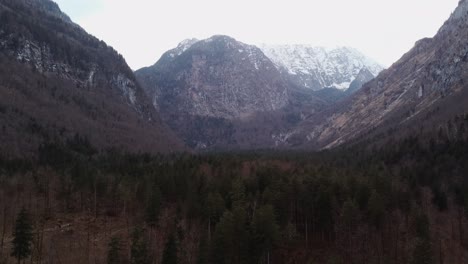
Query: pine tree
(154,207)
(22,236)
(114,253)
(214,207)
(170,251)
(376,209)
(422,252)
(203,251)
(266,231)
(139,249)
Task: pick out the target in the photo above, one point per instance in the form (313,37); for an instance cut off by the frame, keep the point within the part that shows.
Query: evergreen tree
(170,251)
(154,207)
(230,242)
(422,252)
(114,253)
(203,250)
(266,231)
(237,194)
(214,207)
(376,209)
(223,244)
(22,236)
(139,249)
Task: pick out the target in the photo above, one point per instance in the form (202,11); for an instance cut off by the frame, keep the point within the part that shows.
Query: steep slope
(58,81)
(426,87)
(217,77)
(364,76)
(219,93)
(317,68)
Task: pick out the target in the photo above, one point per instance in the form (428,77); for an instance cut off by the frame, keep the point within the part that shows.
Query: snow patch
(330,67)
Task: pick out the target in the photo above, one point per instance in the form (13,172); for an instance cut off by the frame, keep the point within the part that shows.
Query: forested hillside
(403,203)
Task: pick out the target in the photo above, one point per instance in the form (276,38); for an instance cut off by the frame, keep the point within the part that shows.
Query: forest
(402,202)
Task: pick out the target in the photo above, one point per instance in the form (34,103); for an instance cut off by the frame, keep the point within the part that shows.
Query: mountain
(420,92)
(317,68)
(211,91)
(57,81)
(363,77)
(217,77)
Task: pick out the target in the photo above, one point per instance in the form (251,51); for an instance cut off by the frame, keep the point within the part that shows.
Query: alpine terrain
(317,68)
(59,82)
(421,91)
(222,93)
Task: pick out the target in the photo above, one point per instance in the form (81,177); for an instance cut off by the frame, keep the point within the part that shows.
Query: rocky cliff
(58,81)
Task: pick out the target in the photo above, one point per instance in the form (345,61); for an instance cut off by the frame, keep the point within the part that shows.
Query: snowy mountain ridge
(320,67)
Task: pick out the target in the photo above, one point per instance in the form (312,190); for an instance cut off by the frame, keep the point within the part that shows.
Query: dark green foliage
(352,201)
(114,253)
(265,230)
(230,243)
(439,198)
(376,209)
(422,226)
(324,209)
(154,207)
(203,252)
(170,251)
(81,144)
(139,248)
(214,206)
(422,253)
(22,236)
(350,215)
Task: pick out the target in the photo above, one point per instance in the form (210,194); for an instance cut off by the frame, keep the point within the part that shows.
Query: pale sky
(142,30)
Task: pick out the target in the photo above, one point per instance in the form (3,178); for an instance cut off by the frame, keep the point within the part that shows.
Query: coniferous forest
(401,202)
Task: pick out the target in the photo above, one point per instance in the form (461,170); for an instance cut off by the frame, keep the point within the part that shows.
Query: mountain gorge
(222,93)
(58,81)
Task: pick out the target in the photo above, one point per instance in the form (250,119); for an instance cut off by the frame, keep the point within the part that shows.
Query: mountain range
(317,68)
(218,93)
(419,92)
(222,93)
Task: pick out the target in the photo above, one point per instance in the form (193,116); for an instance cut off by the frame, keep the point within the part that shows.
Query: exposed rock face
(216,77)
(77,84)
(362,78)
(317,68)
(221,93)
(211,84)
(425,86)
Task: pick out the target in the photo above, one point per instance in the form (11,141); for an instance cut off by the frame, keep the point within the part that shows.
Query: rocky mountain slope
(216,77)
(317,68)
(211,91)
(58,81)
(424,89)
(220,92)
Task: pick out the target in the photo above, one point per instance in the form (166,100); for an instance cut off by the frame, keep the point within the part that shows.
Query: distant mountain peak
(317,68)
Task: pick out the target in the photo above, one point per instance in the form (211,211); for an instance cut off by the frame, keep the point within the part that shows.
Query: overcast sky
(142,30)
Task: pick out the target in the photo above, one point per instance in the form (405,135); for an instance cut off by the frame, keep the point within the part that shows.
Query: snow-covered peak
(320,67)
(186,44)
(182,47)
